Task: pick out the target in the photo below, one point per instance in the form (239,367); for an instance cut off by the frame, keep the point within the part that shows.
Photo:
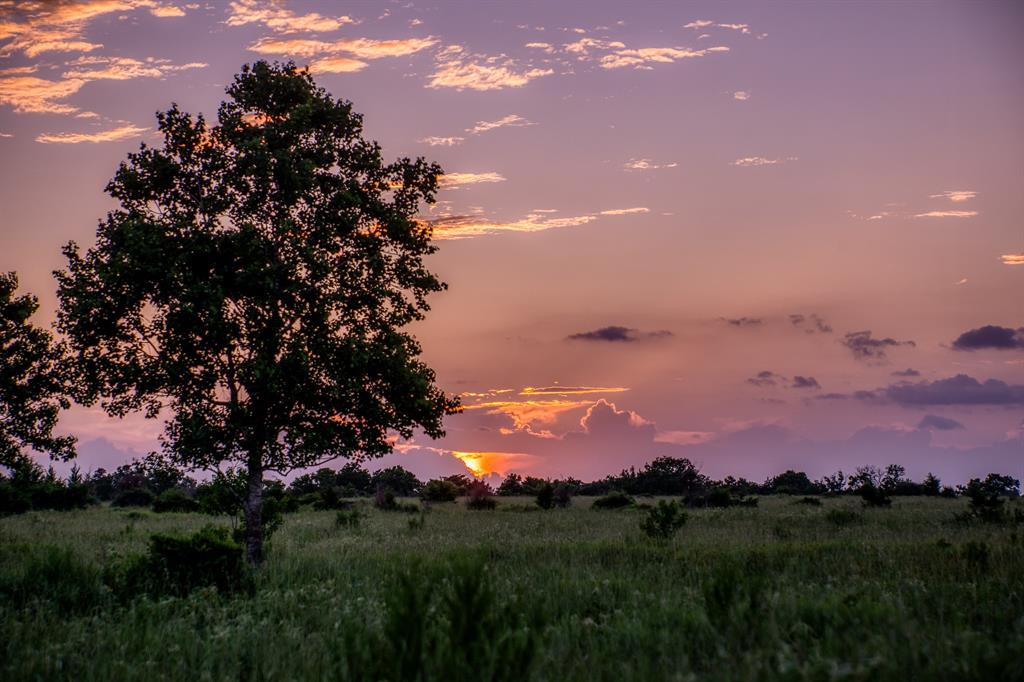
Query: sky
(758,235)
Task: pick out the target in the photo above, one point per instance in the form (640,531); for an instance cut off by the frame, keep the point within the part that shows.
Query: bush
(562,495)
(350,518)
(546,496)
(663,520)
(177,565)
(384,499)
(133,497)
(480,497)
(174,500)
(809,501)
(614,500)
(843,517)
(874,496)
(439,490)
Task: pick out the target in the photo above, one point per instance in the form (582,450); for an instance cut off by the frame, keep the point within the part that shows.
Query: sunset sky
(758,235)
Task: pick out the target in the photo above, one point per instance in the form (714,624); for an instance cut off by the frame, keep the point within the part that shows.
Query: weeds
(663,520)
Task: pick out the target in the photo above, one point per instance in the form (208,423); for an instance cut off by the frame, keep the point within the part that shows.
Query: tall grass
(905,593)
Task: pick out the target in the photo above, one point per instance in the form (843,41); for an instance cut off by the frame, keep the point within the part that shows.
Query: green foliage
(256,281)
(843,517)
(51,575)
(809,501)
(349,518)
(874,496)
(663,520)
(985,497)
(177,565)
(614,500)
(135,497)
(175,501)
(546,496)
(480,497)
(562,495)
(439,490)
(223,494)
(32,380)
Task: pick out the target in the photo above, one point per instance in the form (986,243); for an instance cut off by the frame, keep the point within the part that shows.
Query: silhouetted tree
(32,391)
(254,285)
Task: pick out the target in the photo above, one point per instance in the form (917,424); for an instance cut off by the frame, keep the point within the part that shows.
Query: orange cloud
(641,57)
(453,180)
(512,120)
(760,161)
(456,69)
(465,226)
(1012,258)
(28,94)
(527,415)
(647,164)
(123,68)
(947,214)
(113,135)
(570,390)
(442,141)
(484,463)
(337,65)
(275,17)
(957,196)
(363,48)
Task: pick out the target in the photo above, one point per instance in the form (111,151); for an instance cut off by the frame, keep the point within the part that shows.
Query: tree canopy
(32,390)
(255,284)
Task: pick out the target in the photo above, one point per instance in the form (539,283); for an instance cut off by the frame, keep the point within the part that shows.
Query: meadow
(781,591)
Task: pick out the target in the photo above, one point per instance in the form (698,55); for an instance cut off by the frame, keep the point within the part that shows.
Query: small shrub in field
(177,565)
(418,522)
(174,500)
(328,498)
(874,496)
(977,555)
(480,497)
(809,501)
(985,503)
(439,490)
(843,517)
(663,520)
(562,496)
(546,496)
(614,500)
(349,518)
(135,497)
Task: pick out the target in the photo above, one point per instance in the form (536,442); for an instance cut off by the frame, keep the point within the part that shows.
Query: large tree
(255,285)
(32,390)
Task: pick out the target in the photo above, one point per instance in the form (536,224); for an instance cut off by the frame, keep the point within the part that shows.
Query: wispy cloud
(442,141)
(625,211)
(947,214)
(277,18)
(647,164)
(700,24)
(457,69)
(465,226)
(125,132)
(571,390)
(59,26)
(644,56)
(546,47)
(1012,258)
(363,48)
(28,94)
(512,121)
(760,161)
(337,64)
(453,180)
(957,196)
(89,68)
(741,95)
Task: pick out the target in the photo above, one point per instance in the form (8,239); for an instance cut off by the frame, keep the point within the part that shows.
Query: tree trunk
(253,519)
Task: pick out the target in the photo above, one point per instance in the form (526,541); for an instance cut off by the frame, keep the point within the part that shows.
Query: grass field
(782,591)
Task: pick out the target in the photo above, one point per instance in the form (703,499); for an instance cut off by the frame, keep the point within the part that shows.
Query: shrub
(177,565)
(385,499)
(480,497)
(562,495)
(439,490)
(874,496)
(348,518)
(614,500)
(133,497)
(546,496)
(663,520)
(174,500)
(843,517)
(809,501)
(53,575)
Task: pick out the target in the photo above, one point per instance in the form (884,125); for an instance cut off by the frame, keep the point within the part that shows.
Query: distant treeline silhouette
(153,481)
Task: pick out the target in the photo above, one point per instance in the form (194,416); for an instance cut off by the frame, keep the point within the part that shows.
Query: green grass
(776,592)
